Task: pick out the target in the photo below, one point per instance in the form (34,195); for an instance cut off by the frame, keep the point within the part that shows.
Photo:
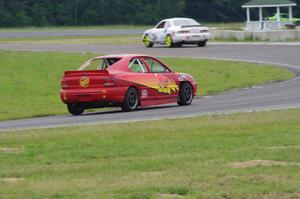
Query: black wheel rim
(132,100)
(188,94)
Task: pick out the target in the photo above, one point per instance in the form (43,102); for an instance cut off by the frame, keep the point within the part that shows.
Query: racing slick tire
(131,101)
(179,45)
(147,41)
(75,109)
(169,41)
(185,94)
(201,43)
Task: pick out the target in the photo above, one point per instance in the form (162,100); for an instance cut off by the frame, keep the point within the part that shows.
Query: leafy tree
(99,12)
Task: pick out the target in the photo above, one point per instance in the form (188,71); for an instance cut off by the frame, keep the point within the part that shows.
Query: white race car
(175,32)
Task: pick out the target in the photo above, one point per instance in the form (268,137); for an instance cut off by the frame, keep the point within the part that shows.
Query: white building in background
(264,24)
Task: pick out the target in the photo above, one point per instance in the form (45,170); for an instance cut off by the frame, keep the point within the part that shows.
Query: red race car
(126,81)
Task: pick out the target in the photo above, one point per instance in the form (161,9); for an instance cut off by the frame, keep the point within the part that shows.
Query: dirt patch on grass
(281,196)
(169,196)
(282,147)
(264,163)
(152,173)
(11,180)
(227,180)
(12,150)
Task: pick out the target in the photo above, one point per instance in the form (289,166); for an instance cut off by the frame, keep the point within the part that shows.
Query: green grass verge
(30,81)
(111,39)
(184,158)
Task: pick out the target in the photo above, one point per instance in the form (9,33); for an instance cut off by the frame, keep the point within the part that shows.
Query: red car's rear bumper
(93,95)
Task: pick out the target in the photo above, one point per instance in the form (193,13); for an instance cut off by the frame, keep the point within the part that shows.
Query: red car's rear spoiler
(87,72)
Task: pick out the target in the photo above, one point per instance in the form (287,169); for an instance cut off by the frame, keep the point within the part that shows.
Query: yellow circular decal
(84,82)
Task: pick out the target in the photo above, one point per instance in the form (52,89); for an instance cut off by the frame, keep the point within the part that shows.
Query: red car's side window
(137,66)
(156,67)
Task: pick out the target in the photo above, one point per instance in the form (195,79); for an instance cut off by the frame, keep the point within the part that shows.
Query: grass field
(30,81)
(112,39)
(234,156)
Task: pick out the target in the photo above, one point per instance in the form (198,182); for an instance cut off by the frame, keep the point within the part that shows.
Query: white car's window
(137,66)
(157,25)
(156,67)
(161,25)
(185,22)
(167,24)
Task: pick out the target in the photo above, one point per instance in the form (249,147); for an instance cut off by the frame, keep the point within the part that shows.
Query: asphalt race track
(274,96)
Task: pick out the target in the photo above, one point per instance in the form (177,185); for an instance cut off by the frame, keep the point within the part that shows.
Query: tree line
(14,13)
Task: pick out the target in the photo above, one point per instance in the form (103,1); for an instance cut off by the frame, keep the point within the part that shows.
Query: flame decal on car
(168,88)
(164,85)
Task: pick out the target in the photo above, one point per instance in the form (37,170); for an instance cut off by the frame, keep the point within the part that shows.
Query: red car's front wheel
(185,94)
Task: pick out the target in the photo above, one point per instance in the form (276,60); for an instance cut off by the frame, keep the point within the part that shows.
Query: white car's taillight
(204,31)
(183,32)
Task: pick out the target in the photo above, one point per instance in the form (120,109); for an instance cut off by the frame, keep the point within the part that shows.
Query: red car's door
(167,81)
(142,76)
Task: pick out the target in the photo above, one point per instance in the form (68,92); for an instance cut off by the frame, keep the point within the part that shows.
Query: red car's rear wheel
(75,109)
(131,101)
(169,41)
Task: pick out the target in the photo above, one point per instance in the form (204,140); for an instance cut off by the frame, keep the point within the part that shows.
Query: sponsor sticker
(144,93)
(84,82)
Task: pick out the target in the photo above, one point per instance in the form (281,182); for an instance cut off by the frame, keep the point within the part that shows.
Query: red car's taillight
(64,84)
(109,82)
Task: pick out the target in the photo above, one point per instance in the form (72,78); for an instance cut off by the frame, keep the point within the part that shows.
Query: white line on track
(256,43)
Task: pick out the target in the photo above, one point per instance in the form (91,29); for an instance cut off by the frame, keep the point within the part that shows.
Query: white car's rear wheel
(179,44)
(201,43)
(169,41)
